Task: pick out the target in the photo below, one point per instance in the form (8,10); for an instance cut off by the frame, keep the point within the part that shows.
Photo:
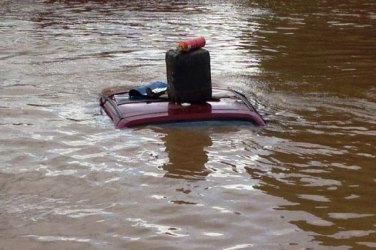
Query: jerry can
(188,76)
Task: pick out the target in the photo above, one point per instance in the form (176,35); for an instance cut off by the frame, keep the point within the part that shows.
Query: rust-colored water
(69,180)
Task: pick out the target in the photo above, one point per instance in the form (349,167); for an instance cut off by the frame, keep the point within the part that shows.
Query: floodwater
(69,180)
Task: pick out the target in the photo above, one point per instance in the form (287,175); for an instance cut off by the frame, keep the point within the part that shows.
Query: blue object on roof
(151,89)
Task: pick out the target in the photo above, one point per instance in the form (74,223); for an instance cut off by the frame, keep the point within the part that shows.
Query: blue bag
(149,90)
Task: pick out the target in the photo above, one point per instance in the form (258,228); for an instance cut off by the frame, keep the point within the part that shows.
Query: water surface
(69,180)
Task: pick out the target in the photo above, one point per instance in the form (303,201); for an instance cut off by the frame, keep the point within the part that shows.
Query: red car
(225,105)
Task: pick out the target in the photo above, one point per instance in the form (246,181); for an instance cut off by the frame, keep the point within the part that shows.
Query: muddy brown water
(69,180)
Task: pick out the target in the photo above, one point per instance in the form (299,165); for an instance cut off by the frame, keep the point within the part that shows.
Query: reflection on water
(186,153)
(70,180)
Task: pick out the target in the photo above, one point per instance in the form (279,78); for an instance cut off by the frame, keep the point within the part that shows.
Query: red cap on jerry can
(191,44)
